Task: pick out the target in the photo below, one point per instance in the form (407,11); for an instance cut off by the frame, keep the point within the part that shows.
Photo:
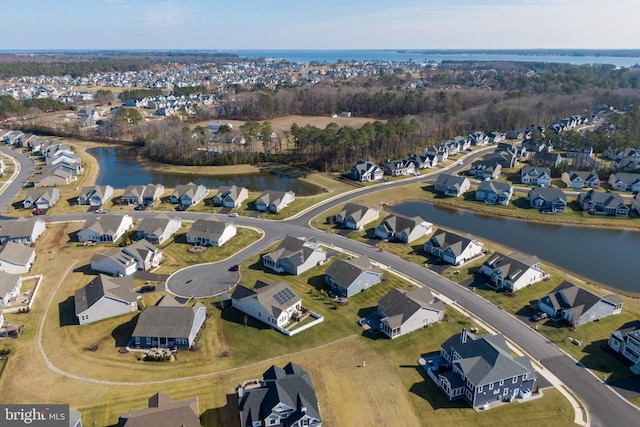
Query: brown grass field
(389,389)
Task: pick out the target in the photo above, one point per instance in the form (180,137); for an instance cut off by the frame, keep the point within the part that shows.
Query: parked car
(539,316)
(101,211)
(233,215)
(139,207)
(147,288)
(234,267)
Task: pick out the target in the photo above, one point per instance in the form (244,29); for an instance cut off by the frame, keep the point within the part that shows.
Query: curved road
(605,407)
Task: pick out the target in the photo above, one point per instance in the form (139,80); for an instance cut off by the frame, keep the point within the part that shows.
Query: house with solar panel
(284,397)
(294,256)
(275,305)
(481,370)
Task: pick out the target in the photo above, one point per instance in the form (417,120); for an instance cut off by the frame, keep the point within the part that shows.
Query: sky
(324,24)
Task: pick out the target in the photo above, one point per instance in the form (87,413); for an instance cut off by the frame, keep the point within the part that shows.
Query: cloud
(167,14)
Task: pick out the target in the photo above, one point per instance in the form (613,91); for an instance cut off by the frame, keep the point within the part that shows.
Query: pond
(119,169)
(606,256)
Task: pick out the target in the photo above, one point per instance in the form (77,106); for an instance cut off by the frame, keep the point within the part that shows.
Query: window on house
(524,377)
(480,389)
(501,382)
(513,381)
(491,386)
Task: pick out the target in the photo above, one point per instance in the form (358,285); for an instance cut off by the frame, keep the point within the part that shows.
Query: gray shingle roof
(154,225)
(209,228)
(399,305)
(297,250)
(20,227)
(16,253)
(274,298)
(163,321)
(163,412)
(578,299)
(445,239)
(8,282)
(116,287)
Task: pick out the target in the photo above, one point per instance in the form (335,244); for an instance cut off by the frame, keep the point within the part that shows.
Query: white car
(101,211)
(233,215)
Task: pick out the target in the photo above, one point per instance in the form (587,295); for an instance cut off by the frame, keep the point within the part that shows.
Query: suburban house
(627,159)
(546,159)
(188,194)
(53,178)
(105,297)
(549,200)
(347,277)
(41,198)
(453,248)
(161,411)
(626,341)
(142,194)
(577,305)
(275,305)
(365,171)
(108,228)
(403,229)
(581,179)
(451,185)
(486,169)
(636,202)
(495,137)
(284,397)
(622,181)
(146,256)
(512,272)
(534,175)
(168,324)
(114,262)
(423,161)
(398,167)
(274,201)
(210,232)
(494,193)
(294,256)
(22,230)
(356,216)
(10,285)
(402,312)
(95,195)
(607,203)
(158,229)
(478,138)
(16,258)
(231,196)
(481,370)
(2,167)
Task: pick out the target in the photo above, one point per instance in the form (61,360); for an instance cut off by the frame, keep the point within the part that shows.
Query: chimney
(240,390)
(463,336)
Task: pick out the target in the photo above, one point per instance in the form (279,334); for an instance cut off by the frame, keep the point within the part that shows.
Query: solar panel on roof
(283,296)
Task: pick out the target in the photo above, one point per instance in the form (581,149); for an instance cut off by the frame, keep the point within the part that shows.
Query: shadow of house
(317,282)
(73,236)
(224,416)
(17,205)
(122,333)
(72,201)
(233,315)
(67,312)
(86,270)
(430,392)
(599,357)
(521,203)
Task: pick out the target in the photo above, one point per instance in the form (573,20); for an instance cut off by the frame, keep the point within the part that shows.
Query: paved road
(26,170)
(604,406)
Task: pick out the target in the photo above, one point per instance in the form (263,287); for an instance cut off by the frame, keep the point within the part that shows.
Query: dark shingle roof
(399,305)
(163,412)
(344,272)
(162,321)
(117,287)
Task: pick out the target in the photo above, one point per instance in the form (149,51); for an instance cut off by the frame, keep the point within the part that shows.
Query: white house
(22,230)
(402,312)
(158,229)
(10,285)
(108,228)
(105,297)
(622,181)
(114,262)
(512,272)
(210,232)
(231,196)
(146,256)
(95,195)
(406,230)
(16,258)
(626,342)
(356,216)
(274,305)
(274,201)
(294,256)
(188,194)
(453,248)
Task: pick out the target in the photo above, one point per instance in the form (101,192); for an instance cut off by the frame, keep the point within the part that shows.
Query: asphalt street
(605,407)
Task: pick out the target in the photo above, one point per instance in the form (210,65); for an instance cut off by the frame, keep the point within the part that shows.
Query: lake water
(119,169)
(332,56)
(606,256)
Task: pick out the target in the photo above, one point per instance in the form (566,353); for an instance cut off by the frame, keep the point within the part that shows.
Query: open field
(347,393)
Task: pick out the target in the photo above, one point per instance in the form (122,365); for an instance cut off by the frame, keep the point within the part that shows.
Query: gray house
(188,194)
(481,370)
(142,194)
(402,312)
(168,324)
(453,248)
(230,196)
(581,179)
(105,297)
(356,216)
(599,203)
(403,229)
(486,169)
(284,397)
(451,185)
(494,193)
(348,277)
(95,195)
(294,256)
(22,230)
(626,342)
(158,229)
(548,200)
(211,232)
(533,175)
(577,305)
(622,181)
(274,201)
(365,171)
(512,272)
